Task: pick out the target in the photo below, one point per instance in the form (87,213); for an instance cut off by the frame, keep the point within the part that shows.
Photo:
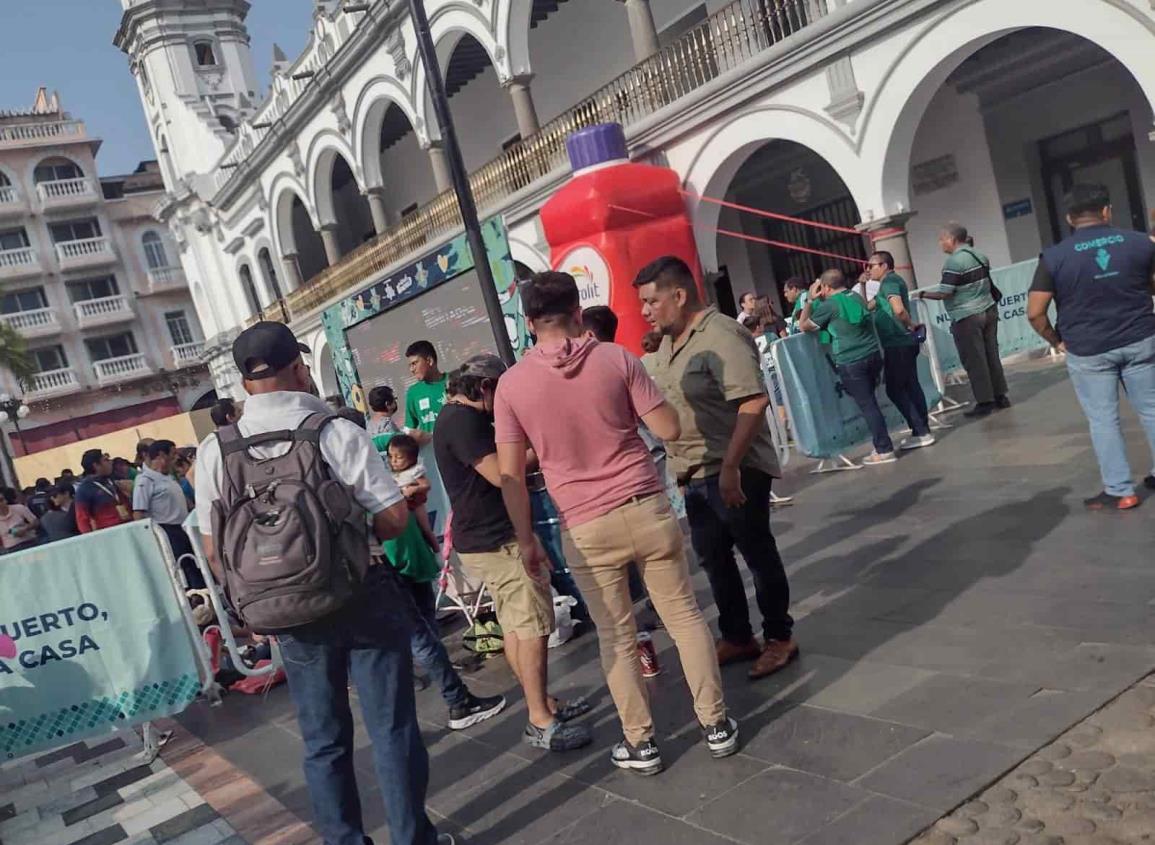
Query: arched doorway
(310,249)
(759,253)
(1014,124)
(482,110)
(250,290)
(341,203)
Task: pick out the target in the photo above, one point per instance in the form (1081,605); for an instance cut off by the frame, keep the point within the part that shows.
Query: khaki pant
(597,552)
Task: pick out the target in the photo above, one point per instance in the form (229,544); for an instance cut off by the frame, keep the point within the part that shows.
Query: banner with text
(92,638)
(1015,333)
(826,419)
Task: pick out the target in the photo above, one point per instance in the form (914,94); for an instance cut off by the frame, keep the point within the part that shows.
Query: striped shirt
(966,276)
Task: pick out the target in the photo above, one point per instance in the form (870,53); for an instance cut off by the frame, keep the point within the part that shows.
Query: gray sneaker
(559,736)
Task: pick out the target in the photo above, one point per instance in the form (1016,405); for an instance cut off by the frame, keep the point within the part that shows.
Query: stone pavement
(1095,785)
(957,612)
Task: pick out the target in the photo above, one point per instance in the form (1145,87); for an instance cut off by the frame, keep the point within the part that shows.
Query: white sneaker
(917,442)
(875,459)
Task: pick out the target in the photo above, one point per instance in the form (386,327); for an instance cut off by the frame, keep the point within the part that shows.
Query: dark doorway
(1100,153)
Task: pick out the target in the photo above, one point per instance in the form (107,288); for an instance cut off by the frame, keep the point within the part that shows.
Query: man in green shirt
(423,400)
(891,307)
(966,289)
(857,354)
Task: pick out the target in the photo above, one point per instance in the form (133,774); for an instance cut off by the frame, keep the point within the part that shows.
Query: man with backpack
(282,498)
(967,289)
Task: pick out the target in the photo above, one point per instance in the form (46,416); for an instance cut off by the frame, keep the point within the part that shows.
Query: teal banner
(824,417)
(92,638)
(1015,333)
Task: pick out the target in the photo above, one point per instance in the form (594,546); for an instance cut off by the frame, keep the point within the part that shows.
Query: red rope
(795,247)
(762,213)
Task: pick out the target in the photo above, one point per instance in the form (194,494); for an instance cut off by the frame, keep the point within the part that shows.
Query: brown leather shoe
(729,652)
(776,654)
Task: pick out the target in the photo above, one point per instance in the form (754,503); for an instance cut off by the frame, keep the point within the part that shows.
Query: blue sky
(67,45)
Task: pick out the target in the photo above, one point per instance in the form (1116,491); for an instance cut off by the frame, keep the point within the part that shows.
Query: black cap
(265,348)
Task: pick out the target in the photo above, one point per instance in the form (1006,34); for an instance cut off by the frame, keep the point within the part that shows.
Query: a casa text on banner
(1015,333)
(825,419)
(92,638)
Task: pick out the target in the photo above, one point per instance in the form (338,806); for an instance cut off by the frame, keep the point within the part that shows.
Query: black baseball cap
(265,348)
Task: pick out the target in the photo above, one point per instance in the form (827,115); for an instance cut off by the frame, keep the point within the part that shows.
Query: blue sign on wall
(1018,208)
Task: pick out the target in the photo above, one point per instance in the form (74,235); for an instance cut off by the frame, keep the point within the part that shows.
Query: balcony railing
(34,134)
(103,311)
(85,251)
(8,196)
(37,323)
(188,354)
(66,191)
(17,262)
(728,38)
(112,370)
(165,278)
(51,383)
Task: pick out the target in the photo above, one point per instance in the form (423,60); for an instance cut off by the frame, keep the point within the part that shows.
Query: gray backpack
(293,541)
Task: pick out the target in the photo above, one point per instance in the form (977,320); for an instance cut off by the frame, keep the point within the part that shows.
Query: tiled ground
(957,611)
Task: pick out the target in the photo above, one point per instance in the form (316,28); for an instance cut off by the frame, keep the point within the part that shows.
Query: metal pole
(436,83)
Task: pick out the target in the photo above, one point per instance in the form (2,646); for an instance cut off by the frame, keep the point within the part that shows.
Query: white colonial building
(92,281)
(890,116)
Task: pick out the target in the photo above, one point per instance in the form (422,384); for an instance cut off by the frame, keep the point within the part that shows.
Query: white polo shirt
(345,446)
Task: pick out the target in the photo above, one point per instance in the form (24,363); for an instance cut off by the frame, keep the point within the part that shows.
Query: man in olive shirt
(891,307)
(707,366)
(857,354)
(966,288)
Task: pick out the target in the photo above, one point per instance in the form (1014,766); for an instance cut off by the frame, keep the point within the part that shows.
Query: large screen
(451,316)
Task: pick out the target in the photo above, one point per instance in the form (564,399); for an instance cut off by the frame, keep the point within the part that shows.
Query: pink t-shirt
(578,404)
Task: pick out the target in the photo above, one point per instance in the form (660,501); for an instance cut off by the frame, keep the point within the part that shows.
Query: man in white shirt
(367,641)
(156,495)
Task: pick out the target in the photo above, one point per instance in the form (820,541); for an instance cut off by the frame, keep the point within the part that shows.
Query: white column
(523,107)
(377,209)
(332,246)
(292,272)
(643,32)
(440,166)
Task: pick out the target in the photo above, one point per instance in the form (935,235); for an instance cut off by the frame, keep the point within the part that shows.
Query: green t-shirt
(847,318)
(891,332)
(968,274)
(411,555)
(423,402)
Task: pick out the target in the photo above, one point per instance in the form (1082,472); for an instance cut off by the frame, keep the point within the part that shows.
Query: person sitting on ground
(857,355)
(484,539)
(382,407)
(100,501)
(18,526)
(60,521)
(224,412)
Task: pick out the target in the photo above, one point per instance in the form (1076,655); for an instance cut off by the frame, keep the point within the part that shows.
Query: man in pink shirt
(578,403)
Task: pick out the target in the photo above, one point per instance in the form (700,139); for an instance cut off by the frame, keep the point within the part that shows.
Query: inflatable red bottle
(612,219)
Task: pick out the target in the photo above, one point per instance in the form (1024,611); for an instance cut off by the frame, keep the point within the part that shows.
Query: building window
(266,262)
(48,358)
(4,181)
(98,288)
(111,346)
(178,328)
(250,290)
(18,301)
(14,239)
(154,253)
(206,56)
(56,170)
(74,230)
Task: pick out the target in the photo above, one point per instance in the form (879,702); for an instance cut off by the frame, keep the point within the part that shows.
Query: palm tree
(14,354)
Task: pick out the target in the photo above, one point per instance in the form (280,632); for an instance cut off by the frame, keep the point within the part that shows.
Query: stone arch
(448,26)
(50,157)
(528,254)
(266,258)
(323,152)
(295,233)
(375,100)
(727,147)
(282,193)
(513,20)
(919,70)
(324,372)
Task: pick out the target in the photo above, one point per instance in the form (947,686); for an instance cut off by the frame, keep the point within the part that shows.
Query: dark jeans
(977,339)
(900,367)
(428,651)
(547,527)
(715,530)
(860,380)
(368,642)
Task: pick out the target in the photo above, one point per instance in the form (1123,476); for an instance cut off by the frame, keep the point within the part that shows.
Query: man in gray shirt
(156,495)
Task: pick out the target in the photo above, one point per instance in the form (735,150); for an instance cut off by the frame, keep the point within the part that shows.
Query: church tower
(193,66)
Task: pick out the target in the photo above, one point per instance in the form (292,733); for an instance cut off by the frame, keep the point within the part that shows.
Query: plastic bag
(563,620)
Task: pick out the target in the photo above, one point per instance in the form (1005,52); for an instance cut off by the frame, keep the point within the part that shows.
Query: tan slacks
(597,552)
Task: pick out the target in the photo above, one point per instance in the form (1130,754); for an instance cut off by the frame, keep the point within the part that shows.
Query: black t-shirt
(1101,280)
(461,437)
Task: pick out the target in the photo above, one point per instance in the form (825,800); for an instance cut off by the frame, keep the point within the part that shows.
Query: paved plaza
(957,612)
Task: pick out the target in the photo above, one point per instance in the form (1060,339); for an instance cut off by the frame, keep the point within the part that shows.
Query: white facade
(93,282)
(859,111)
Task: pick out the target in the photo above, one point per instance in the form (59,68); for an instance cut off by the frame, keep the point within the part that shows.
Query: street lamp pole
(13,409)
(436,84)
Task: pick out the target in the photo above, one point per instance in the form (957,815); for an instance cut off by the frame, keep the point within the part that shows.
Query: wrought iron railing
(725,40)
